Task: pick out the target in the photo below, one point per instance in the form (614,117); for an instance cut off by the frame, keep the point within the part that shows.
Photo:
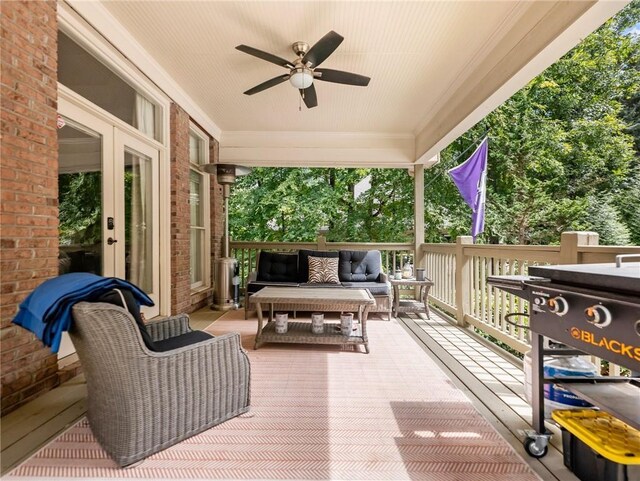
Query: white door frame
(115,136)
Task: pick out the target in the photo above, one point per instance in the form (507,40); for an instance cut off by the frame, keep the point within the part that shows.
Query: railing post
(463,280)
(418,213)
(418,219)
(569,242)
(322,242)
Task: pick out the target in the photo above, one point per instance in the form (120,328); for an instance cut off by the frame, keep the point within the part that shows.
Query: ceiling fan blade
(268,84)
(265,56)
(322,49)
(309,97)
(340,77)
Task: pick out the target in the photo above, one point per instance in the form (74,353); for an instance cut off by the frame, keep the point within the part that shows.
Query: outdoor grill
(586,309)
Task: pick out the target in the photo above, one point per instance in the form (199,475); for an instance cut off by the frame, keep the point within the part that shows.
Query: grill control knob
(539,301)
(558,305)
(598,315)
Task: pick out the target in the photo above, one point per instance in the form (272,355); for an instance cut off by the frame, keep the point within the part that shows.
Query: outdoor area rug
(319,413)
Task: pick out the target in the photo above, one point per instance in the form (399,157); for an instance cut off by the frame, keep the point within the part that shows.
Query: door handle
(111,241)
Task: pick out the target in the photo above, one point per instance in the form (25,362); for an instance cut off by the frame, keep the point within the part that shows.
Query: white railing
(460,273)
(440,263)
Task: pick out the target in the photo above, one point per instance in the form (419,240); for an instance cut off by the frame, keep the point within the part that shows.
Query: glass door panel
(138,221)
(80,193)
(139,186)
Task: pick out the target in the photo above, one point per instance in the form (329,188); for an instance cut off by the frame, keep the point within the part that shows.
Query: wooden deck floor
(492,381)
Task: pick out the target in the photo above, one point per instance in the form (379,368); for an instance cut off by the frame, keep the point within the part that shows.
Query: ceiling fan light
(301,78)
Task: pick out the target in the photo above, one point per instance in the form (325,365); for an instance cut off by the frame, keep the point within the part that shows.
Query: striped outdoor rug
(319,413)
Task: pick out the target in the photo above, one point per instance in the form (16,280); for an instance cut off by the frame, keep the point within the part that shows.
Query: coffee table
(322,299)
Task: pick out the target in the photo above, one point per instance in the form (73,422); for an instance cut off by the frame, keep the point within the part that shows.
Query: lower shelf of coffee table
(300,332)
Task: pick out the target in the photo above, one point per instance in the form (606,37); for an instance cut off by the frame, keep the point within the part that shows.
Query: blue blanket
(47,310)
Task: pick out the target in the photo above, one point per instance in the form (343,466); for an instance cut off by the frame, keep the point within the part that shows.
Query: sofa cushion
(277,267)
(312,285)
(359,266)
(375,288)
(303,262)
(255,286)
(323,270)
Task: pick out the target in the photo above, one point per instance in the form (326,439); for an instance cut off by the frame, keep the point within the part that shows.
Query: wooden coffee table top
(313,295)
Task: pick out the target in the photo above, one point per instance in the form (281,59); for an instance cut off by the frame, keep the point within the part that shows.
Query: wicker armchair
(141,402)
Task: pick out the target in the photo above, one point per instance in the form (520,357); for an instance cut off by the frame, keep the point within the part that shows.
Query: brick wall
(29,196)
(180,213)
(29,187)
(182,300)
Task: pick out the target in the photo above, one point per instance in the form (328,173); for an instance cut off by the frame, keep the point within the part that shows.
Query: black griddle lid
(604,277)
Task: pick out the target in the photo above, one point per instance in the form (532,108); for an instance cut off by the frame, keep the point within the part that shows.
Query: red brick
(29,180)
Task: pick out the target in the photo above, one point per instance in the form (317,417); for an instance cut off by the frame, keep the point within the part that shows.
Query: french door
(109,201)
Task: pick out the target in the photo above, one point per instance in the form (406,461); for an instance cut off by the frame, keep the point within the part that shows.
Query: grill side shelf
(618,397)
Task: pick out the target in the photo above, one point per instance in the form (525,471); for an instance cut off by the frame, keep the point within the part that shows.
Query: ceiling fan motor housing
(300,48)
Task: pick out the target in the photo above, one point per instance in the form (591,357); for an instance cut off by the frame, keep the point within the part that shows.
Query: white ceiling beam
(563,26)
(318,149)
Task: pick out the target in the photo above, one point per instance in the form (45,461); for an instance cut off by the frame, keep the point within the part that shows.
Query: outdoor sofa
(355,270)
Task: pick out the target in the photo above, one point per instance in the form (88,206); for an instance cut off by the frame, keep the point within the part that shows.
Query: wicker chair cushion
(359,266)
(186,339)
(303,262)
(116,296)
(277,267)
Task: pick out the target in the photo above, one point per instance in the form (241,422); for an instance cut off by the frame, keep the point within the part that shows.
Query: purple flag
(471,178)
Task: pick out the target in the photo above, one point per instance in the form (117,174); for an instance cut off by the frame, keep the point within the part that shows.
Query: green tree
(79,201)
(294,204)
(559,144)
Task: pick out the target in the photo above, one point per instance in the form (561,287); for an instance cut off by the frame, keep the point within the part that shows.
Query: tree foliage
(294,204)
(563,155)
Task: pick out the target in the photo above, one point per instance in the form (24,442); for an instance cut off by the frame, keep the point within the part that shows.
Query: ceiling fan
(303,70)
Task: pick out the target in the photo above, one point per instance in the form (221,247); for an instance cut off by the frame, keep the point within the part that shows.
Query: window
(199,208)
(87,76)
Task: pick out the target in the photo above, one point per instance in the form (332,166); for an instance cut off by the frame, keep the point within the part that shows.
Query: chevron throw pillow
(323,270)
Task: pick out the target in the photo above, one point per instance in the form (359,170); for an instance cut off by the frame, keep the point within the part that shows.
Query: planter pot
(317,323)
(346,323)
(282,320)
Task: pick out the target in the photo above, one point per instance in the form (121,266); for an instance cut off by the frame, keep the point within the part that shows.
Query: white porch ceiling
(436,68)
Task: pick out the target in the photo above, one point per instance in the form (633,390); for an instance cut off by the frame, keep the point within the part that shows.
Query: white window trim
(206,203)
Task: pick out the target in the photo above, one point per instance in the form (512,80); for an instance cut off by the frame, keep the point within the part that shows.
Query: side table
(411,305)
